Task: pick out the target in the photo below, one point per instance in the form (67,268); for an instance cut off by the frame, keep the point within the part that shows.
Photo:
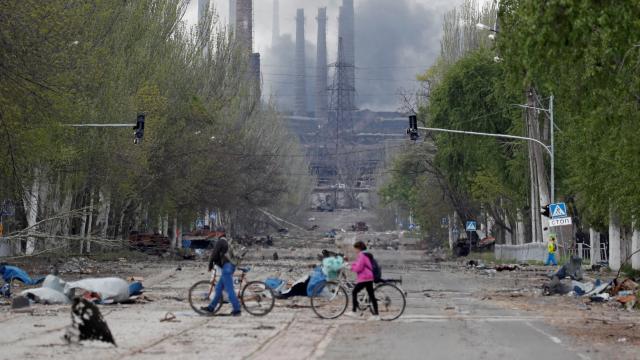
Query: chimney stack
(321,66)
(300,82)
(346,31)
(276,23)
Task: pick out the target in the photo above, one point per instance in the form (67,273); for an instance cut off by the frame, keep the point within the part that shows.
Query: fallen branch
(625,262)
(277,219)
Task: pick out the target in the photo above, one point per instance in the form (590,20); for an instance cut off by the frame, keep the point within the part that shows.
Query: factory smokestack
(300,83)
(203,7)
(244,23)
(276,23)
(346,31)
(321,65)
(232,14)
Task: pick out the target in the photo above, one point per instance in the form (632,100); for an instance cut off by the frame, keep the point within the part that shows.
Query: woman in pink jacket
(363,268)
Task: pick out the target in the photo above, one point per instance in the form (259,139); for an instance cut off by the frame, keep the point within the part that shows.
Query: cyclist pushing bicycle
(223,256)
(363,267)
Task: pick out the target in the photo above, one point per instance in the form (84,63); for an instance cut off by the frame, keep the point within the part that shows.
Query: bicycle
(330,299)
(255,297)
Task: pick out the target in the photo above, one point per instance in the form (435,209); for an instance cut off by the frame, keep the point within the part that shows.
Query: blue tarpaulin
(13,272)
(273,283)
(135,288)
(317,277)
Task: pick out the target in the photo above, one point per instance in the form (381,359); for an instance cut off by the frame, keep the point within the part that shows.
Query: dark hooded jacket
(219,254)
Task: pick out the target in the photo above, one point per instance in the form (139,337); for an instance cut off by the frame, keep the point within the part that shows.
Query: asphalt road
(444,320)
(451,324)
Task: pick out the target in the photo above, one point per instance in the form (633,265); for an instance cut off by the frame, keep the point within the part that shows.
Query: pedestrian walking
(220,256)
(364,270)
(551,250)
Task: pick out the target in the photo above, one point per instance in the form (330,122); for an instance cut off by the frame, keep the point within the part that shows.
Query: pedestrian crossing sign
(558,210)
(471,226)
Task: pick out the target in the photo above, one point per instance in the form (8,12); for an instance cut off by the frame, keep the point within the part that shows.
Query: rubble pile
(570,280)
(78,265)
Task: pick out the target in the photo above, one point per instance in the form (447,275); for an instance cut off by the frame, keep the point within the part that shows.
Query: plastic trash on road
(109,290)
(13,272)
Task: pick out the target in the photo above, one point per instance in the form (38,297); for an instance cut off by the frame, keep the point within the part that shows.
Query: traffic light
(412,131)
(545,211)
(139,129)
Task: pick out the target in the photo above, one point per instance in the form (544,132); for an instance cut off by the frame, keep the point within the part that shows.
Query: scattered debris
(108,290)
(506,267)
(10,273)
(78,265)
(150,243)
(360,226)
(600,297)
(20,302)
(169,317)
(46,296)
(557,286)
(5,290)
(87,323)
(264,327)
(572,269)
(626,284)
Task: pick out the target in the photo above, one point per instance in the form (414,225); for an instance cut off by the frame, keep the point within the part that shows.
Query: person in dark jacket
(219,257)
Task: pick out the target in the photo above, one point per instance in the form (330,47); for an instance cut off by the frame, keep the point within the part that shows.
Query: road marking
(551,337)
(458,317)
(270,340)
(324,343)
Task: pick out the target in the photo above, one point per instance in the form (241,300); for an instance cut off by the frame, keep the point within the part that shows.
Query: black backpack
(375,268)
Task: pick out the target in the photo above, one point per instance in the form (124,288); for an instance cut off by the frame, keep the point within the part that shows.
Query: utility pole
(341,106)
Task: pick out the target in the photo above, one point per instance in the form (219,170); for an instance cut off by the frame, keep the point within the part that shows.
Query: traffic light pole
(101,125)
(138,127)
(549,148)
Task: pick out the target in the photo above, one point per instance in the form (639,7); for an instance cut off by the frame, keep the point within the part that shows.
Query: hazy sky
(395,40)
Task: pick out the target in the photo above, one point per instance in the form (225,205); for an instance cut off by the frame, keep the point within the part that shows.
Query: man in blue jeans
(219,257)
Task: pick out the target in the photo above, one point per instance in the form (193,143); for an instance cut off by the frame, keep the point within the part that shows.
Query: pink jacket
(362,266)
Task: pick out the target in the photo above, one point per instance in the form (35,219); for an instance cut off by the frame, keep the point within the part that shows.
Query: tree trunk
(635,248)
(90,223)
(507,235)
(165,225)
(30,201)
(174,233)
(83,226)
(614,241)
(594,243)
(104,208)
(122,234)
(65,227)
(520,238)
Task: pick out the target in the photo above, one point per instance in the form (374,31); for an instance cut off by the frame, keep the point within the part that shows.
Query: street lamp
(481,26)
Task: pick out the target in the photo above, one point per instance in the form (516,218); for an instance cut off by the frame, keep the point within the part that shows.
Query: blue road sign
(471,226)
(558,210)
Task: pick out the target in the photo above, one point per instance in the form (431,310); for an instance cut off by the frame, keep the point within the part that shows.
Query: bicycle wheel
(201,294)
(329,300)
(391,301)
(257,298)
